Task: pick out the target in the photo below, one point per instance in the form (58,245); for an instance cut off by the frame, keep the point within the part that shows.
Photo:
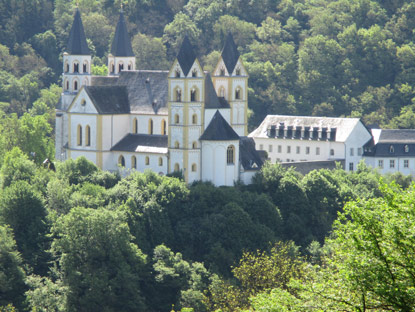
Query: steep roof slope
(121,45)
(77,41)
(219,130)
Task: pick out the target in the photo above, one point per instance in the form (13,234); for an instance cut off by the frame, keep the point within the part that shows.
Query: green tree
(150,52)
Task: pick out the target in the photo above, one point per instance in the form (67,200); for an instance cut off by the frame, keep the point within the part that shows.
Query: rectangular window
(317,150)
(261,147)
(359,151)
(307,150)
(406,163)
(392,163)
(351,151)
(279,149)
(288,149)
(297,150)
(380,163)
(351,166)
(270,148)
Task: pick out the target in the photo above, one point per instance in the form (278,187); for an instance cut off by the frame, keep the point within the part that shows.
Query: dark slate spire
(219,130)
(121,45)
(230,54)
(186,56)
(77,41)
(211,98)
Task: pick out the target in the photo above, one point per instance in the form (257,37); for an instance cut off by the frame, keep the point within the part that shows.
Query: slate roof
(343,126)
(77,41)
(121,45)
(230,54)
(219,130)
(186,56)
(381,144)
(142,143)
(211,98)
(109,99)
(147,90)
(249,156)
(104,80)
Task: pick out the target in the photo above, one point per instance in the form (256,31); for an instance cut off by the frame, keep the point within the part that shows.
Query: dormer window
(194,73)
(391,149)
(177,73)
(406,148)
(238,71)
(222,71)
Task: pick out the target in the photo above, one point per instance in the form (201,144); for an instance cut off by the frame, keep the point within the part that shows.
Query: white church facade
(181,120)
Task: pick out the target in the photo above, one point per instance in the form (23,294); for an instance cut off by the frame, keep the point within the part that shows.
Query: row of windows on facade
(194,94)
(150,126)
(75,84)
(79,136)
(178,72)
(303,133)
(405,149)
(297,149)
(120,67)
(75,67)
(392,163)
(121,162)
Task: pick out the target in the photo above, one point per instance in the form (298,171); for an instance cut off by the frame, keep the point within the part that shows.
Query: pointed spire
(211,98)
(121,45)
(77,41)
(230,54)
(186,56)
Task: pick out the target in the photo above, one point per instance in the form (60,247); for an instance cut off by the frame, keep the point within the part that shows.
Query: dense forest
(81,239)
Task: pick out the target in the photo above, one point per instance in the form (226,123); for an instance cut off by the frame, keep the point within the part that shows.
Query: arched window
(406,148)
(75,85)
(391,149)
(194,167)
(135,125)
(222,71)
(66,66)
(87,136)
(120,66)
(238,71)
(79,135)
(85,81)
(67,85)
(230,155)
(147,160)
(193,95)
(121,161)
(133,162)
(163,127)
(85,67)
(222,92)
(130,66)
(112,67)
(176,144)
(194,119)
(332,152)
(176,119)
(238,94)
(194,145)
(76,67)
(178,95)
(194,73)
(177,73)
(83,102)
(150,126)
(176,167)
(160,161)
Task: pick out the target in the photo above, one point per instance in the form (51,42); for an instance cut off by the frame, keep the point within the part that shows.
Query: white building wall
(354,143)
(90,155)
(225,112)
(83,121)
(194,158)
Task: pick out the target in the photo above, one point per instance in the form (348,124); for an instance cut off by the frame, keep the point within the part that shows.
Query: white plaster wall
(219,66)
(195,83)
(194,135)
(194,158)
(176,134)
(107,139)
(111,161)
(176,109)
(90,155)
(174,83)
(175,66)
(59,138)
(243,71)
(120,127)
(199,70)
(77,106)
(238,82)
(176,156)
(399,164)
(246,176)
(225,112)
(83,120)
(358,137)
(143,122)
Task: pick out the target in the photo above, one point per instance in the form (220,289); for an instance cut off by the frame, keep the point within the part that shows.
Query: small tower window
(176,119)
(121,161)
(75,85)
(194,145)
(194,167)
(160,161)
(147,160)
(194,119)
(238,94)
(193,95)
(66,66)
(87,136)
(222,71)
(150,126)
(112,67)
(194,73)
(67,85)
(238,71)
(120,67)
(178,95)
(76,68)
(163,127)
(135,125)
(85,67)
(133,162)
(79,135)
(222,92)
(176,167)
(177,73)
(230,155)
(176,144)
(130,66)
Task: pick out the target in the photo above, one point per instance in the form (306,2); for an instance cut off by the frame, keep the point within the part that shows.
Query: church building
(182,120)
